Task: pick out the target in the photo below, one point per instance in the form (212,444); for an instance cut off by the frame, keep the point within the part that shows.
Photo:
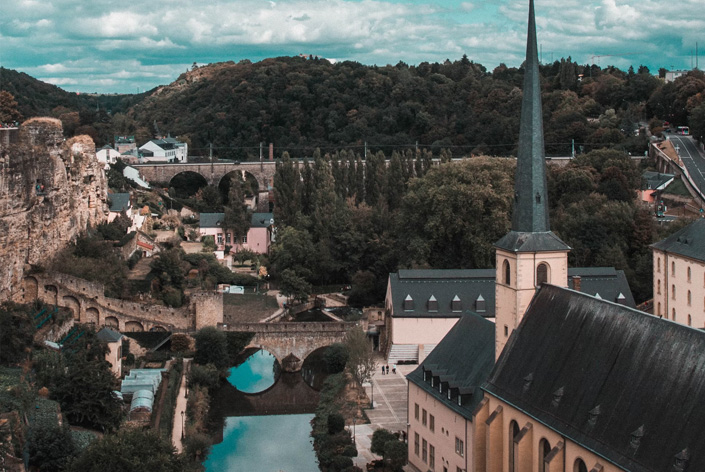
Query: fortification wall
(51,189)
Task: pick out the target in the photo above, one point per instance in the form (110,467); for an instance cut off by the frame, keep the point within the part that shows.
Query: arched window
(688,297)
(541,274)
(688,274)
(658,286)
(690,321)
(673,314)
(673,269)
(658,265)
(673,291)
(544,450)
(507,272)
(579,466)
(513,433)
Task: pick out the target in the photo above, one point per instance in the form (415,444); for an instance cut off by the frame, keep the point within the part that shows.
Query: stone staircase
(403,353)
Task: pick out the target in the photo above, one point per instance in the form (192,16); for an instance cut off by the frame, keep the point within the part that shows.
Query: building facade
(679,276)
(258,239)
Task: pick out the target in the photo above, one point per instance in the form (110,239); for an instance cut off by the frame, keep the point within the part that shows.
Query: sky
(129,46)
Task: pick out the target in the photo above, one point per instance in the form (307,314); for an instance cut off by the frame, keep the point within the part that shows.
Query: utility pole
(365,150)
(261,164)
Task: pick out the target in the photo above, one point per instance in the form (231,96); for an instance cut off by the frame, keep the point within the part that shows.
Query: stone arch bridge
(212,172)
(291,343)
(89,305)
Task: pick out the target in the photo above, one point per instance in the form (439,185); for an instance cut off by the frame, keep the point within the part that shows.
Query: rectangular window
(416,443)
(244,239)
(432,423)
(423,417)
(227,238)
(424,450)
(220,239)
(431,456)
(416,411)
(459,447)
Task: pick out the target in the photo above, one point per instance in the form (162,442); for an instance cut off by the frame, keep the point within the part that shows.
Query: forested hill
(300,104)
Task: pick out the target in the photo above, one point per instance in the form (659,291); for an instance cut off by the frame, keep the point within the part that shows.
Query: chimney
(271,151)
(576,283)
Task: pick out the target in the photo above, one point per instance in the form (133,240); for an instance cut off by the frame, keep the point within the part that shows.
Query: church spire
(530,225)
(531,204)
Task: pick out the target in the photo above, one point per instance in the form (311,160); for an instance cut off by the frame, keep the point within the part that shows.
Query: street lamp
(354,419)
(183,414)
(372,390)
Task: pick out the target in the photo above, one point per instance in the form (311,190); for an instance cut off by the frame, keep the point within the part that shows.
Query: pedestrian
(382,370)
(394,368)
(387,370)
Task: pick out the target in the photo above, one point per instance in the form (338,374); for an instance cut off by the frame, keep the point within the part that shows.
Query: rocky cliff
(51,190)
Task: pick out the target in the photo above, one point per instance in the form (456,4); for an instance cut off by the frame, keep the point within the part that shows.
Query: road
(692,158)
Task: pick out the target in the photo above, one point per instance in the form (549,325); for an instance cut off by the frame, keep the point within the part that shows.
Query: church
(565,379)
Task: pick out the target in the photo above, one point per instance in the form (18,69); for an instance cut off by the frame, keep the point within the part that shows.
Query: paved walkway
(177,432)
(390,394)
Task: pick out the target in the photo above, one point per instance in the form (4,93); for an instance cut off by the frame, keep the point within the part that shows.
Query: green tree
(335,358)
(129,449)
(16,335)
(50,448)
(8,108)
(380,438)
(237,216)
(287,182)
(361,361)
(211,348)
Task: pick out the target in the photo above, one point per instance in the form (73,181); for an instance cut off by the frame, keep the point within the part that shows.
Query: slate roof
(471,284)
(262,220)
(654,180)
(109,335)
(211,220)
(465,358)
(687,242)
(624,384)
(119,201)
(516,241)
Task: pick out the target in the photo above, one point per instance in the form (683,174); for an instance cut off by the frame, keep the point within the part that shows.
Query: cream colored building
(113,339)
(679,276)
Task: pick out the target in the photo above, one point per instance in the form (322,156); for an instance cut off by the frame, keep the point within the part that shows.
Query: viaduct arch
(212,172)
(291,343)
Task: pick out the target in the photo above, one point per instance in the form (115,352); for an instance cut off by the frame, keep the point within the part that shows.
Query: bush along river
(260,419)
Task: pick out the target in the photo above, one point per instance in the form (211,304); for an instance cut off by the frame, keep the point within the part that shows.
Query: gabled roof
(119,201)
(211,220)
(654,180)
(473,285)
(687,242)
(262,220)
(624,384)
(465,357)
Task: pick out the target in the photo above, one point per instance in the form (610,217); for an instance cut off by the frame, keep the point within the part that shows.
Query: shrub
(204,375)
(335,357)
(336,423)
(180,342)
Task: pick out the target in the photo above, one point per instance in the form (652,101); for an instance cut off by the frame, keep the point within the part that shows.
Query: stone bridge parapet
(290,342)
(90,305)
(213,173)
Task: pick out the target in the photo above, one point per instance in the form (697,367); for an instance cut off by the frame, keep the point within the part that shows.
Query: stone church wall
(51,189)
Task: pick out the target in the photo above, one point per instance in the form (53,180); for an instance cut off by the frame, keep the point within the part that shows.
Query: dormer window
(440,387)
(456,305)
(408,303)
(425,376)
(432,304)
(433,381)
(449,394)
(480,305)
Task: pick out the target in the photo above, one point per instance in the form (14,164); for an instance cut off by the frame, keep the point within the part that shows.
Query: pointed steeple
(531,205)
(530,225)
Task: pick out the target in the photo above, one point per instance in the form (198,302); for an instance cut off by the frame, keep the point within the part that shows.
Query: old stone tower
(530,254)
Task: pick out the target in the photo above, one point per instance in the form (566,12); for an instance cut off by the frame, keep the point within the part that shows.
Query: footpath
(177,433)
(389,393)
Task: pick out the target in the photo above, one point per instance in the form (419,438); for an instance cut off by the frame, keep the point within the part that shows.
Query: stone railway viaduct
(290,343)
(212,172)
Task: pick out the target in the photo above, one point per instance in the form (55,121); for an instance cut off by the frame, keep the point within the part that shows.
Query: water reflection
(264,443)
(256,374)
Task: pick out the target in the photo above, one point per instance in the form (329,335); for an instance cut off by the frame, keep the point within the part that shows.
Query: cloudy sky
(128,46)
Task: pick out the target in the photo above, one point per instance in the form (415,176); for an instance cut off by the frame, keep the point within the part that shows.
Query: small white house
(107,155)
(164,150)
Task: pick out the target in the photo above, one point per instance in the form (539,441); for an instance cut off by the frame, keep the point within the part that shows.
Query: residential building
(113,339)
(125,144)
(164,150)
(589,385)
(654,183)
(672,75)
(443,393)
(258,239)
(107,155)
(679,275)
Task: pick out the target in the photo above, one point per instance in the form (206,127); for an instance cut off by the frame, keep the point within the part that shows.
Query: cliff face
(50,191)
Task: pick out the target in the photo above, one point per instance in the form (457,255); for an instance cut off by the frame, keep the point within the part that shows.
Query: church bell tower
(530,254)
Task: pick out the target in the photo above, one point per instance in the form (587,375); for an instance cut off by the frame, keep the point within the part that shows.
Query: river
(260,419)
